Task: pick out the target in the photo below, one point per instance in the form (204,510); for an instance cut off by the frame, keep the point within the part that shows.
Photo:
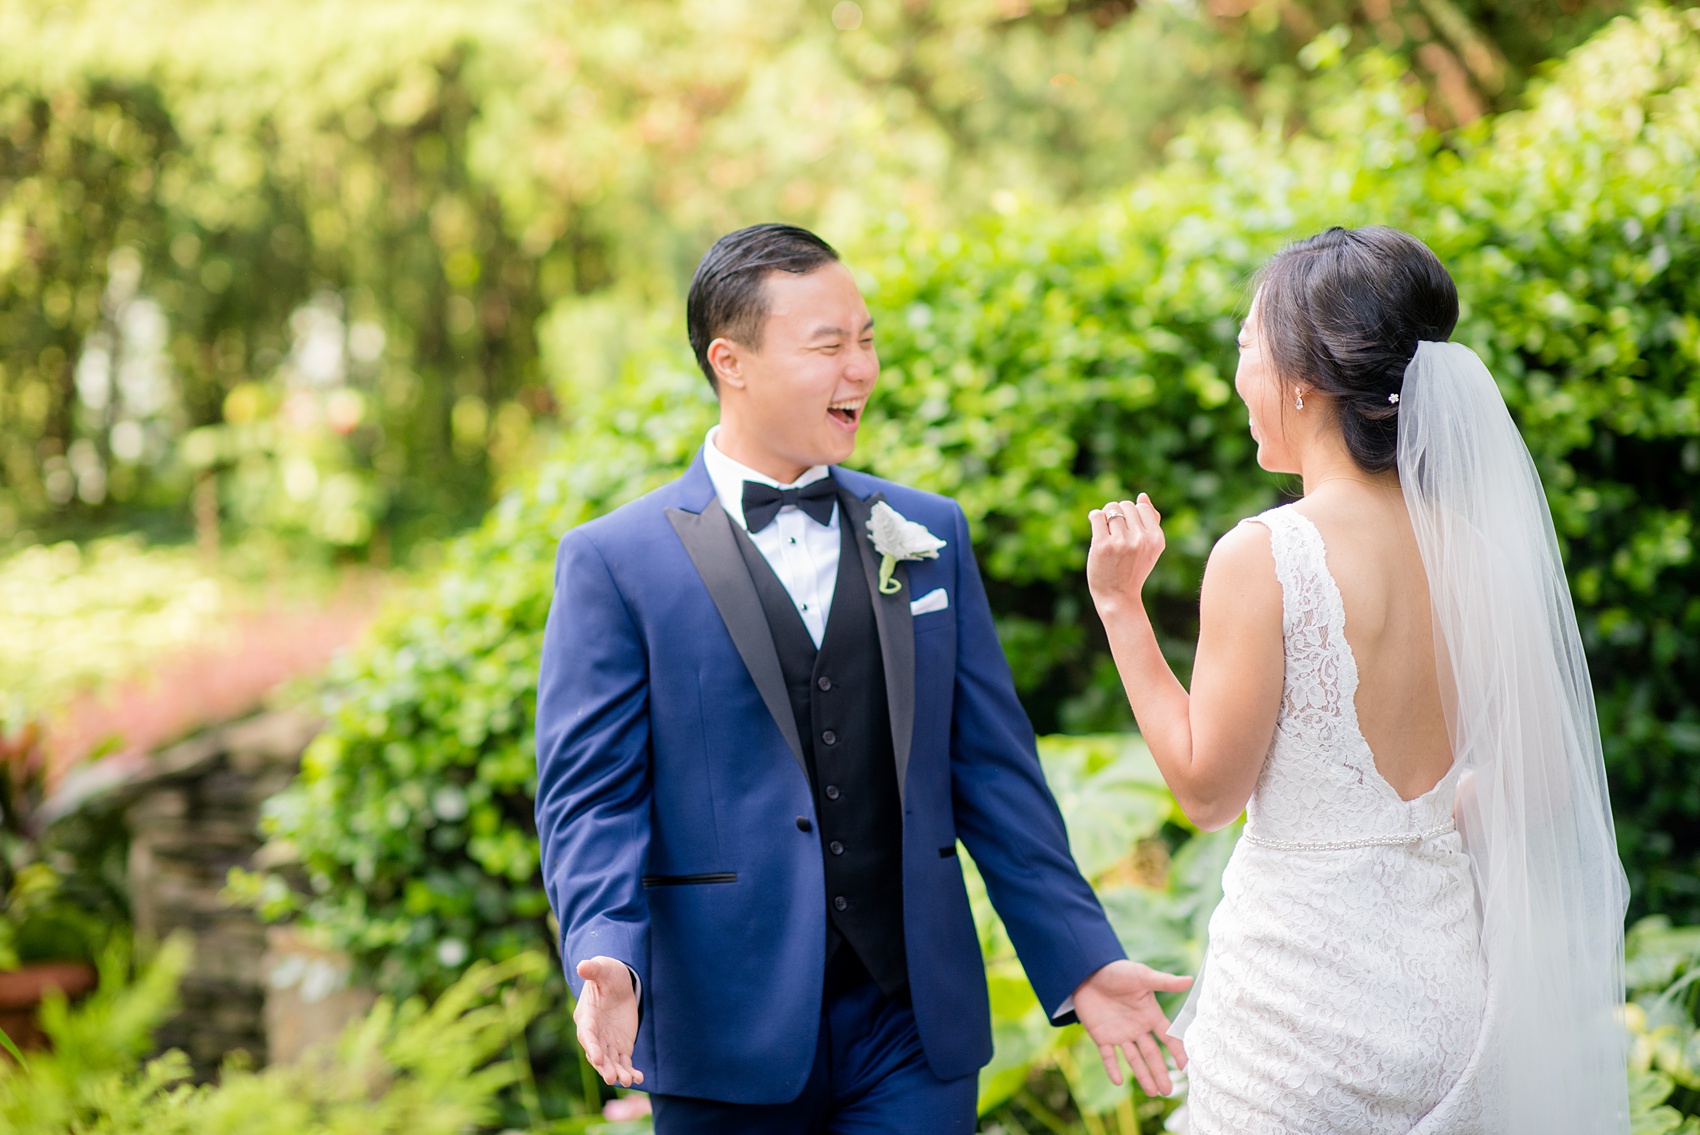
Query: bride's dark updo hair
(1343,311)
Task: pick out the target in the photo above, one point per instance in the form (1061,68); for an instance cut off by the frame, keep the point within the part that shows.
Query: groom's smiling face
(795,398)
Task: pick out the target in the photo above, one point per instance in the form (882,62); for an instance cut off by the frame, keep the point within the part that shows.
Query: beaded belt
(1342,844)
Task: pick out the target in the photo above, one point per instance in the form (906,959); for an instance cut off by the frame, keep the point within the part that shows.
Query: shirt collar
(729,476)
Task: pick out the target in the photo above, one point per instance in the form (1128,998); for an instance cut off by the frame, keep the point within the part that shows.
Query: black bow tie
(763,502)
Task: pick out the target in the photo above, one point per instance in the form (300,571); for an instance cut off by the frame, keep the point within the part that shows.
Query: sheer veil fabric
(1532,804)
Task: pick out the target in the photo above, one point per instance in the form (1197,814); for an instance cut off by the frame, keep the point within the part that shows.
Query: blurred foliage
(279,267)
(59,895)
(1159,881)
(164,640)
(117,648)
(1473,56)
(122,603)
(279,273)
(1663,966)
(420,1069)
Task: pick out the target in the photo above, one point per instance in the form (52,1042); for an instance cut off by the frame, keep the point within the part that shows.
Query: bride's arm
(1209,744)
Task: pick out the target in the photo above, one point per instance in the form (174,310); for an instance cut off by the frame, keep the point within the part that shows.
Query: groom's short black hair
(728,298)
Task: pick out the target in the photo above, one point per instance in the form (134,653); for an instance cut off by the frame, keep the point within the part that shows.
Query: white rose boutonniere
(897,538)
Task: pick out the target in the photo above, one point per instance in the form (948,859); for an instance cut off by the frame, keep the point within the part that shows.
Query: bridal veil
(1532,806)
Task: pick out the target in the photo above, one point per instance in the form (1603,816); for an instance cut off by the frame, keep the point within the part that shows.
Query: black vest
(837,696)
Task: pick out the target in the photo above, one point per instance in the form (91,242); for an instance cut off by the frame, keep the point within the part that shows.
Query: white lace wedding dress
(1344,987)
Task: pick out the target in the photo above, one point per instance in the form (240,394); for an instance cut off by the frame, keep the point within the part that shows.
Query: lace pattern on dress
(1319,780)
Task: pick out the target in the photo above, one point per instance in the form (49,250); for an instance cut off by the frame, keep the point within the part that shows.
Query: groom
(759,739)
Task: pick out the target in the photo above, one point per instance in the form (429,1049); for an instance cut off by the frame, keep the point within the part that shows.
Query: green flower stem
(888,585)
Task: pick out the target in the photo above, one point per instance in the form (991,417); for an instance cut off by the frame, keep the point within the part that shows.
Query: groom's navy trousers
(869,1077)
(679,830)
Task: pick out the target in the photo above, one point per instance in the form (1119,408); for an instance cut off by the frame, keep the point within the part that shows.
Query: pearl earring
(1301,402)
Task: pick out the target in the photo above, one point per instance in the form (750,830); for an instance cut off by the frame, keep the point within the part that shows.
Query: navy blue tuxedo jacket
(670,785)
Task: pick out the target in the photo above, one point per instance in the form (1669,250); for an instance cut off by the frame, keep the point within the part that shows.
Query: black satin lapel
(708,538)
(897,635)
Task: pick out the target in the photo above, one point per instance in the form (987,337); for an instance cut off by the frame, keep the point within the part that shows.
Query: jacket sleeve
(593,764)
(1006,816)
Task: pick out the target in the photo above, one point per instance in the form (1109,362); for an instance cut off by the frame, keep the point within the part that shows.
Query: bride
(1421,928)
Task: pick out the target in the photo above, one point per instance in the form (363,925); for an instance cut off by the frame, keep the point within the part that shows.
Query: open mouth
(848,412)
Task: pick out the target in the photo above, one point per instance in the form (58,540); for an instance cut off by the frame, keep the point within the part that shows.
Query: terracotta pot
(21,991)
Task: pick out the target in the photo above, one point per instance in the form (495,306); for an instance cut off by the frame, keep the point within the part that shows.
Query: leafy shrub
(1662,1016)
(412,816)
(61,897)
(407,1068)
(1159,881)
(1038,362)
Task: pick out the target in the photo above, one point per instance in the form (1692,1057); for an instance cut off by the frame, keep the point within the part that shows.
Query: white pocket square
(934,600)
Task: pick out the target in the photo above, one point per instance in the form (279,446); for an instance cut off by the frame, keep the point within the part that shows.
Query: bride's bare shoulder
(1242,565)
(1246,543)
(1239,615)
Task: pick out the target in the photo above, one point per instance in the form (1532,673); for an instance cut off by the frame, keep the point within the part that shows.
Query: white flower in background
(898,538)
(318,357)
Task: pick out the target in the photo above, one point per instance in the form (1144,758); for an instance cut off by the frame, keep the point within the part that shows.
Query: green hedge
(1038,361)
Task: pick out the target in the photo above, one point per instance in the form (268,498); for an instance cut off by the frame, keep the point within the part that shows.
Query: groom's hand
(607,1020)
(1117,1006)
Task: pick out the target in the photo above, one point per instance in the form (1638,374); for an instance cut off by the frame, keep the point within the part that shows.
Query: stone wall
(193,814)
(310,998)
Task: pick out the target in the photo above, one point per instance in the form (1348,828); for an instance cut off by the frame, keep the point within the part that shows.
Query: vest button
(829,737)
(840,903)
(803,824)
(835,847)
(832,792)
(824,683)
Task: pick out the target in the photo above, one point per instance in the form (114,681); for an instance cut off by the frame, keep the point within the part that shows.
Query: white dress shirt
(802,552)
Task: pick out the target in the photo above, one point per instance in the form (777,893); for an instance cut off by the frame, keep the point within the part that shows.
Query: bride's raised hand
(1127,538)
